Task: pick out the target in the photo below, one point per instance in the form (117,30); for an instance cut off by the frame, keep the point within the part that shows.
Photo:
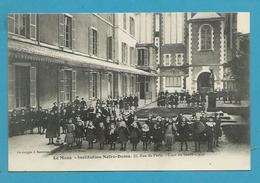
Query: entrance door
(203,82)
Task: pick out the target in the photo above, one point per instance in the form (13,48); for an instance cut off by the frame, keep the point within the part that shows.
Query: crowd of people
(172,100)
(109,123)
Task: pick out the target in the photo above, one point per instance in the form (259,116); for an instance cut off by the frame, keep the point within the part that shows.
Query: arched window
(206,37)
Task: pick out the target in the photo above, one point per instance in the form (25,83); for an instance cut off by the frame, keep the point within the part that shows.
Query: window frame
(164,59)
(68,32)
(132,26)
(204,40)
(177,55)
(173,81)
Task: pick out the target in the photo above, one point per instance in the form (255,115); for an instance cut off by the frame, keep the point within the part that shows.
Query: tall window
(124,53)
(23,24)
(132,26)
(132,56)
(109,47)
(68,85)
(22,86)
(206,37)
(94,43)
(20,24)
(179,59)
(173,81)
(124,21)
(142,57)
(94,85)
(167,59)
(68,31)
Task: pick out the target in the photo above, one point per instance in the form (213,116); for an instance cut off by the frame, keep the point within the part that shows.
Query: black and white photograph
(129,91)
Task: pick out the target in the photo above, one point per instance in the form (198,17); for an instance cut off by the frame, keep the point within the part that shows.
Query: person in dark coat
(183,133)
(54,107)
(83,103)
(145,136)
(76,101)
(217,129)
(38,120)
(171,100)
(45,119)
(63,120)
(90,134)
(135,135)
(13,124)
(121,104)
(225,95)
(101,135)
(51,128)
(156,137)
(170,131)
(182,95)
(123,135)
(79,132)
(136,101)
(112,135)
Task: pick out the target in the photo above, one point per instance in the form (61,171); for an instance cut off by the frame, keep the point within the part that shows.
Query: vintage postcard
(129,91)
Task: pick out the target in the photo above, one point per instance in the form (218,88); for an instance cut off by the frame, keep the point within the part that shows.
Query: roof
(43,54)
(206,16)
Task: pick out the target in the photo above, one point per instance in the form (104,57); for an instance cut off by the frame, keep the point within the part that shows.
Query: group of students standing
(166,99)
(172,100)
(106,123)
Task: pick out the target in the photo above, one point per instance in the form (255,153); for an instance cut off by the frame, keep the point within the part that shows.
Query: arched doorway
(203,82)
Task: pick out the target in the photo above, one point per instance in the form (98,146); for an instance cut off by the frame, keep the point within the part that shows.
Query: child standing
(123,134)
(90,134)
(183,132)
(79,133)
(69,138)
(101,135)
(112,134)
(134,135)
(157,137)
(145,136)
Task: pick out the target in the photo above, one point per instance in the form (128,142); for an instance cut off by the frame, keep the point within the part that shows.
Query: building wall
(173,28)
(203,61)
(145,26)
(82,25)
(48,29)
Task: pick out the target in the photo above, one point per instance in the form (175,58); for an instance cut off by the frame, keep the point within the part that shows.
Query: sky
(243,22)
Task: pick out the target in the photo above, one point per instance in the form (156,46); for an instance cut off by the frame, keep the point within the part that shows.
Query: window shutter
(126,54)
(98,85)
(61,85)
(108,47)
(90,41)
(90,85)
(33,24)
(136,56)
(11,23)
(145,56)
(73,33)
(74,84)
(11,86)
(61,30)
(33,86)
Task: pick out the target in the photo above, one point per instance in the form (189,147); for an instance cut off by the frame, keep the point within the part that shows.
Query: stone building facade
(55,57)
